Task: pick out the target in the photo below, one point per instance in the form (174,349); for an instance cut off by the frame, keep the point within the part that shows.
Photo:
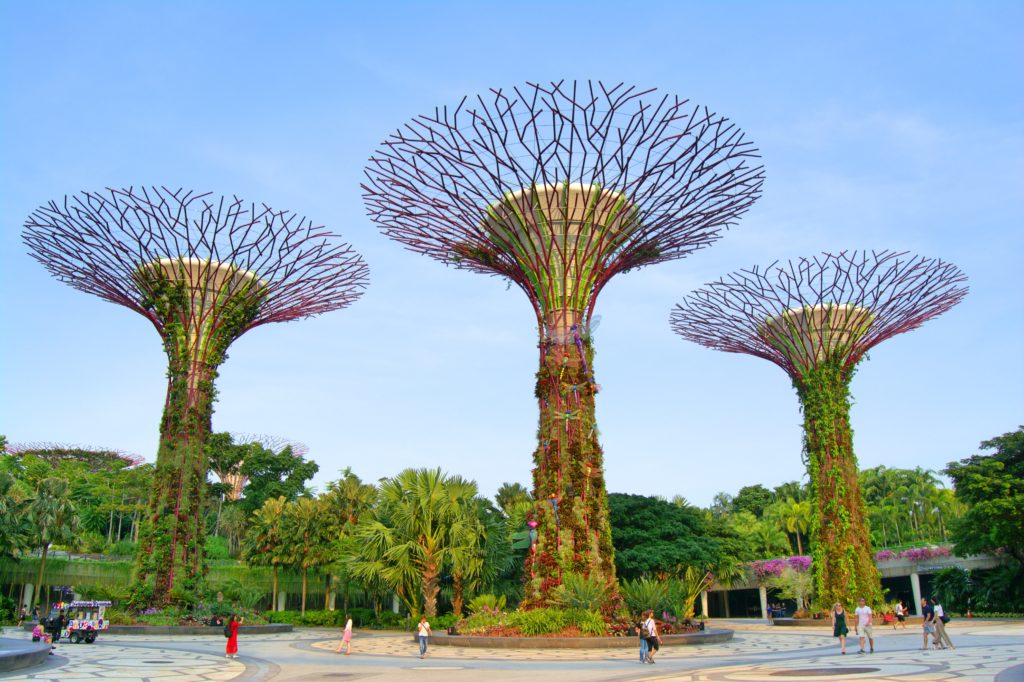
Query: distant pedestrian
(35,614)
(901,614)
(653,637)
(22,615)
(928,625)
(642,634)
(839,628)
(864,627)
(346,638)
(232,626)
(422,634)
(942,640)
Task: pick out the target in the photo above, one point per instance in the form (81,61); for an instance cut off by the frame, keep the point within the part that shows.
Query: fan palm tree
(52,519)
(420,519)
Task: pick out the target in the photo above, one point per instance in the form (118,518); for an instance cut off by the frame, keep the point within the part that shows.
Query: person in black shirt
(929,626)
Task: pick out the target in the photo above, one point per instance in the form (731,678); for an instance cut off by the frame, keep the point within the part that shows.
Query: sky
(882,125)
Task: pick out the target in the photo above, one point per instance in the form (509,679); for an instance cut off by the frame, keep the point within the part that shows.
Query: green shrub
(119,616)
(578,592)
(644,594)
(538,621)
(489,602)
(121,548)
(216,548)
(481,621)
(8,610)
(589,622)
(389,620)
(361,617)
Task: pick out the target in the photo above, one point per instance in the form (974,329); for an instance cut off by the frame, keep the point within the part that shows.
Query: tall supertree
(557,188)
(203,270)
(816,318)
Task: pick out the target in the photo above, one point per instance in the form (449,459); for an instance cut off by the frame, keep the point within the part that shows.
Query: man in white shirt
(863,626)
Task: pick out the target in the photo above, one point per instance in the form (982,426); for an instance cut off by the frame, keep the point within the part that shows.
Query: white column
(704,604)
(395,604)
(282,600)
(330,600)
(915,585)
(27,601)
(764,601)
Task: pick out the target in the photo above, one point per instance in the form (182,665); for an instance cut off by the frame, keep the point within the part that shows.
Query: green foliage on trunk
(842,559)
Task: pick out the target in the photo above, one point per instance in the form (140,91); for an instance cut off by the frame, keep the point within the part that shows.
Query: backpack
(227,629)
(644,631)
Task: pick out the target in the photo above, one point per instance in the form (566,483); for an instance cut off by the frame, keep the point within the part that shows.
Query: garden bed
(709,636)
(270,629)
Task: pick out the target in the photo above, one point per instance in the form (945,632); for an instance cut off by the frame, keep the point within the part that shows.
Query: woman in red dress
(232,650)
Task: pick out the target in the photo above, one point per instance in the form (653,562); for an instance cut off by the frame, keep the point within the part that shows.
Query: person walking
(901,614)
(928,626)
(232,631)
(423,634)
(863,627)
(941,638)
(641,635)
(346,638)
(653,638)
(839,628)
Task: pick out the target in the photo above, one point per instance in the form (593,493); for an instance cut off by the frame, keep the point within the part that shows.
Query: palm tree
(52,519)
(264,544)
(509,495)
(348,498)
(13,530)
(420,519)
(234,522)
(796,518)
(304,528)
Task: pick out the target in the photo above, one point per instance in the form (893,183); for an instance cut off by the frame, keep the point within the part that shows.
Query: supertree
(230,472)
(96,459)
(816,318)
(557,188)
(203,270)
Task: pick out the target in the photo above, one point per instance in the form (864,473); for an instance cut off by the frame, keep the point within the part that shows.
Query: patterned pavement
(757,652)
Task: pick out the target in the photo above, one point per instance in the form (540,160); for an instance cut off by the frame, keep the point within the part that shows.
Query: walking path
(987,651)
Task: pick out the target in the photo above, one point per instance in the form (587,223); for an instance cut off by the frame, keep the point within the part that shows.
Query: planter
(709,636)
(172,630)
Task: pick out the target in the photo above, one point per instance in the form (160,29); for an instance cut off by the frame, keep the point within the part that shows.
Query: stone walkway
(985,650)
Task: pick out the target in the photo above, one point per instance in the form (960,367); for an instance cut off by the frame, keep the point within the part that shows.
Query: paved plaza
(986,650)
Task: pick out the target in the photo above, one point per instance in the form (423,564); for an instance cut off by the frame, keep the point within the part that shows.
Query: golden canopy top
(573,214)
(812,333)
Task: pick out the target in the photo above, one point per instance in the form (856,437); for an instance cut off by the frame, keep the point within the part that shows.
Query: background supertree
(229,469)
(816,318)
(96,459)
(204,270)
(557,188)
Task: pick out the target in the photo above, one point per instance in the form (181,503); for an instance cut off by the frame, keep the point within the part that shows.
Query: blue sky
(881,125)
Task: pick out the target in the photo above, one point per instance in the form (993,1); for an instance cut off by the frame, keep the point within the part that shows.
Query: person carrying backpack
(231,632)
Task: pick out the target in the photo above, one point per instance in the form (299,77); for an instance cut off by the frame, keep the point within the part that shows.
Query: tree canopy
(993,487)
(655,537)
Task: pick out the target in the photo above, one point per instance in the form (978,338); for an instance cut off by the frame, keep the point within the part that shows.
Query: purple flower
(885,555)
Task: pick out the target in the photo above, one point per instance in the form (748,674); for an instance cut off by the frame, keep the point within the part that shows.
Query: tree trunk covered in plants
(573,535)
(842,559)
(200,313)
(172,536)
